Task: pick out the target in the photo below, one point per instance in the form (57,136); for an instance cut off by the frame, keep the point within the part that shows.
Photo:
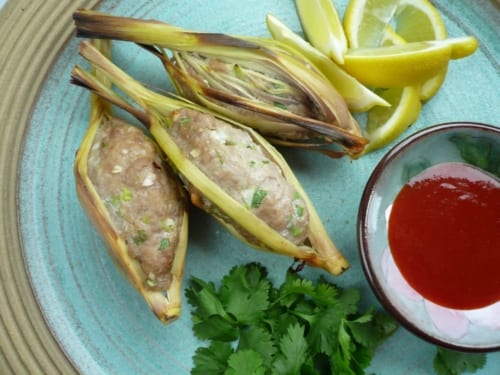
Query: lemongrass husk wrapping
(319,251)
(166,303)
(332,124)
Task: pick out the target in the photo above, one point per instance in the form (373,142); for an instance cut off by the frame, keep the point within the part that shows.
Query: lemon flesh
(365,21)
(418,21)
(390,37)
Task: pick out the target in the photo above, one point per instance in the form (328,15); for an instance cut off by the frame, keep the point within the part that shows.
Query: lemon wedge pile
(386,58)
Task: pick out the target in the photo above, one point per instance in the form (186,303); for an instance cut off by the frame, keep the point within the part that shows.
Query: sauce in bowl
(444,235)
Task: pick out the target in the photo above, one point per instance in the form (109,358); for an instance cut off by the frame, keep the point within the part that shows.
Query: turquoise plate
(101,323)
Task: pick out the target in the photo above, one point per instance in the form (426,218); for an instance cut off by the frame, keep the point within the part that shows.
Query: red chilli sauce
(444,235)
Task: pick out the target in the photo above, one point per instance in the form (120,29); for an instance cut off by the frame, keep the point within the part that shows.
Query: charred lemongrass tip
(322,253)
(264,55)
(270,59)
(93,24)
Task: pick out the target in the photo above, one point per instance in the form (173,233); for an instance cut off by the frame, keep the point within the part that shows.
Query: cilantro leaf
(449,362)
(340,366)
(245,362)
(346,343)
(303,327)
(215,328)
(322,335)
(309,368)
(326,293)
(348,301)
(293,354)
(384,325)
(244,293)
(370,328)
(259,339)
(279,325)
(361,358)
(204,296)
(211,360)
(483,152)
(210,320)
(295,288)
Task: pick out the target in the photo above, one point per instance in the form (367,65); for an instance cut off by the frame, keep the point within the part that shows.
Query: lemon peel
(323,28)
(386,124)
(397,65)
(462,47)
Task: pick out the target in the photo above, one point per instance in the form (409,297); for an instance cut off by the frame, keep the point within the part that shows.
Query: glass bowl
(473,143)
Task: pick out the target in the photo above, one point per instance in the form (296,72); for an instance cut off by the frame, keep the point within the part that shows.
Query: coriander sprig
(301,327)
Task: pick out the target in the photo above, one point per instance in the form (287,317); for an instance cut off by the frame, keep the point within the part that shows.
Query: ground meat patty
(141,194)
(230,157)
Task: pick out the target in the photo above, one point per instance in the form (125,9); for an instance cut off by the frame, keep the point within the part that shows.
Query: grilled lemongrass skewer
(136,203)
(259,82)
(230,171)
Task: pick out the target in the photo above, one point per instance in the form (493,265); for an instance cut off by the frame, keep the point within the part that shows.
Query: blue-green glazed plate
(100,322)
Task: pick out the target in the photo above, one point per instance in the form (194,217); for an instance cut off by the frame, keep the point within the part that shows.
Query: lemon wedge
(323,28)
(398,48)
(405,64)
(357,97)
(419,21)
(368,23)
(403,45)
(397,65)
(386,124)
